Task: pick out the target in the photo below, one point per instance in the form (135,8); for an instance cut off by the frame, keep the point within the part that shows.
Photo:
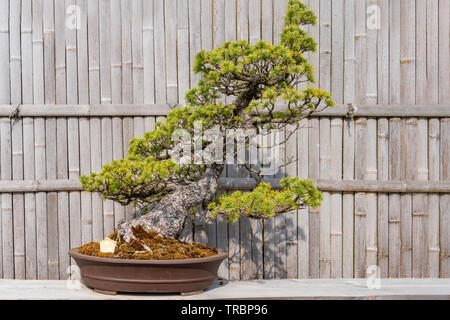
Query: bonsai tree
(254,79)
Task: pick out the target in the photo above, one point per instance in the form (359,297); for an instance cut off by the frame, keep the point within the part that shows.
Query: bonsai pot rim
(221,254)
(109,275)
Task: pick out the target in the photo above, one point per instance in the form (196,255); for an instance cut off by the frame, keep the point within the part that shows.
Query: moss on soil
(162,248)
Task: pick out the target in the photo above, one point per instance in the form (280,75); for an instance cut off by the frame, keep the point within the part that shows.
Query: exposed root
(128,234)
(161,248)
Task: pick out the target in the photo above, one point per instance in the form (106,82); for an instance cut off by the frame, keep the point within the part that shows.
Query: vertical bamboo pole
(128,134)
(54,66)
(96,164)
(160,54)
(139,126)
(361,52)
(143,71)
(421,51)
(56,140)
(85,168)
(361,137)
(266,20)
(195,40)
(279,223)
(183,46)
(444,203)
(5,141)
(314,214)
(433,69)
(371,169)
(82,54)
(348,137)
(94,122)
(418,204)
(30,204)
(206,16)
(325,157)
(279,11)
(371,198)
(407,89)
(256,226)
(254,21)
(42,229)
(371,92)
(303,217)
(242,19)
(132,78)
(383,52)
(39,137)
(383,139)
(394,139)
(126,48)
(325,209)
(28,141)
(73,135)
(107,154)
(360,198)
(394,52)
(170,22)
(383,199)
(444,95)
(106,98)
(279,153)
(408,150)
(314,156)
(83,98)
(433,200)
(337,47)
(337,90)
(268,237)
(242,28)
(120,69)
(73,225)
(93,53)
(17,140)
(218,38)
(15,57)
(142,52)
(336,199)
(291,217)
(444,54)
(395,127)
(4,55)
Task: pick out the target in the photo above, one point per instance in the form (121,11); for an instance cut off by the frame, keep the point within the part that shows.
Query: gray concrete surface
(256,289)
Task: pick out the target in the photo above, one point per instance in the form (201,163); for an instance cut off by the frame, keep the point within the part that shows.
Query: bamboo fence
(85,76)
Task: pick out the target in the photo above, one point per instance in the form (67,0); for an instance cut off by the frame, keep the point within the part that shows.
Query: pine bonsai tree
(253,78)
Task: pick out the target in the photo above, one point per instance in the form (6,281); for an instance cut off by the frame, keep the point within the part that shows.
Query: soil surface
(161,248)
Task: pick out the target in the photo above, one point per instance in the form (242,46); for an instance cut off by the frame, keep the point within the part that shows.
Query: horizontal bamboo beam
(92,110)
(350,185)
(126,110)
(390,110)
(12,186)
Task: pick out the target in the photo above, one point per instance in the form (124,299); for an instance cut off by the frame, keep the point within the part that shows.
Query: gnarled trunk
(167,216)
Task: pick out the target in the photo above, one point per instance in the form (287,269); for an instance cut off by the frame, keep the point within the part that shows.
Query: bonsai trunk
(167,216)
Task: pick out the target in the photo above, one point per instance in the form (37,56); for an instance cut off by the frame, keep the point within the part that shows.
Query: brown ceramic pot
(184,276)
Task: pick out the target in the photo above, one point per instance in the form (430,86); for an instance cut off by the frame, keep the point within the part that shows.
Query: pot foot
(191,293)
(108,292)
